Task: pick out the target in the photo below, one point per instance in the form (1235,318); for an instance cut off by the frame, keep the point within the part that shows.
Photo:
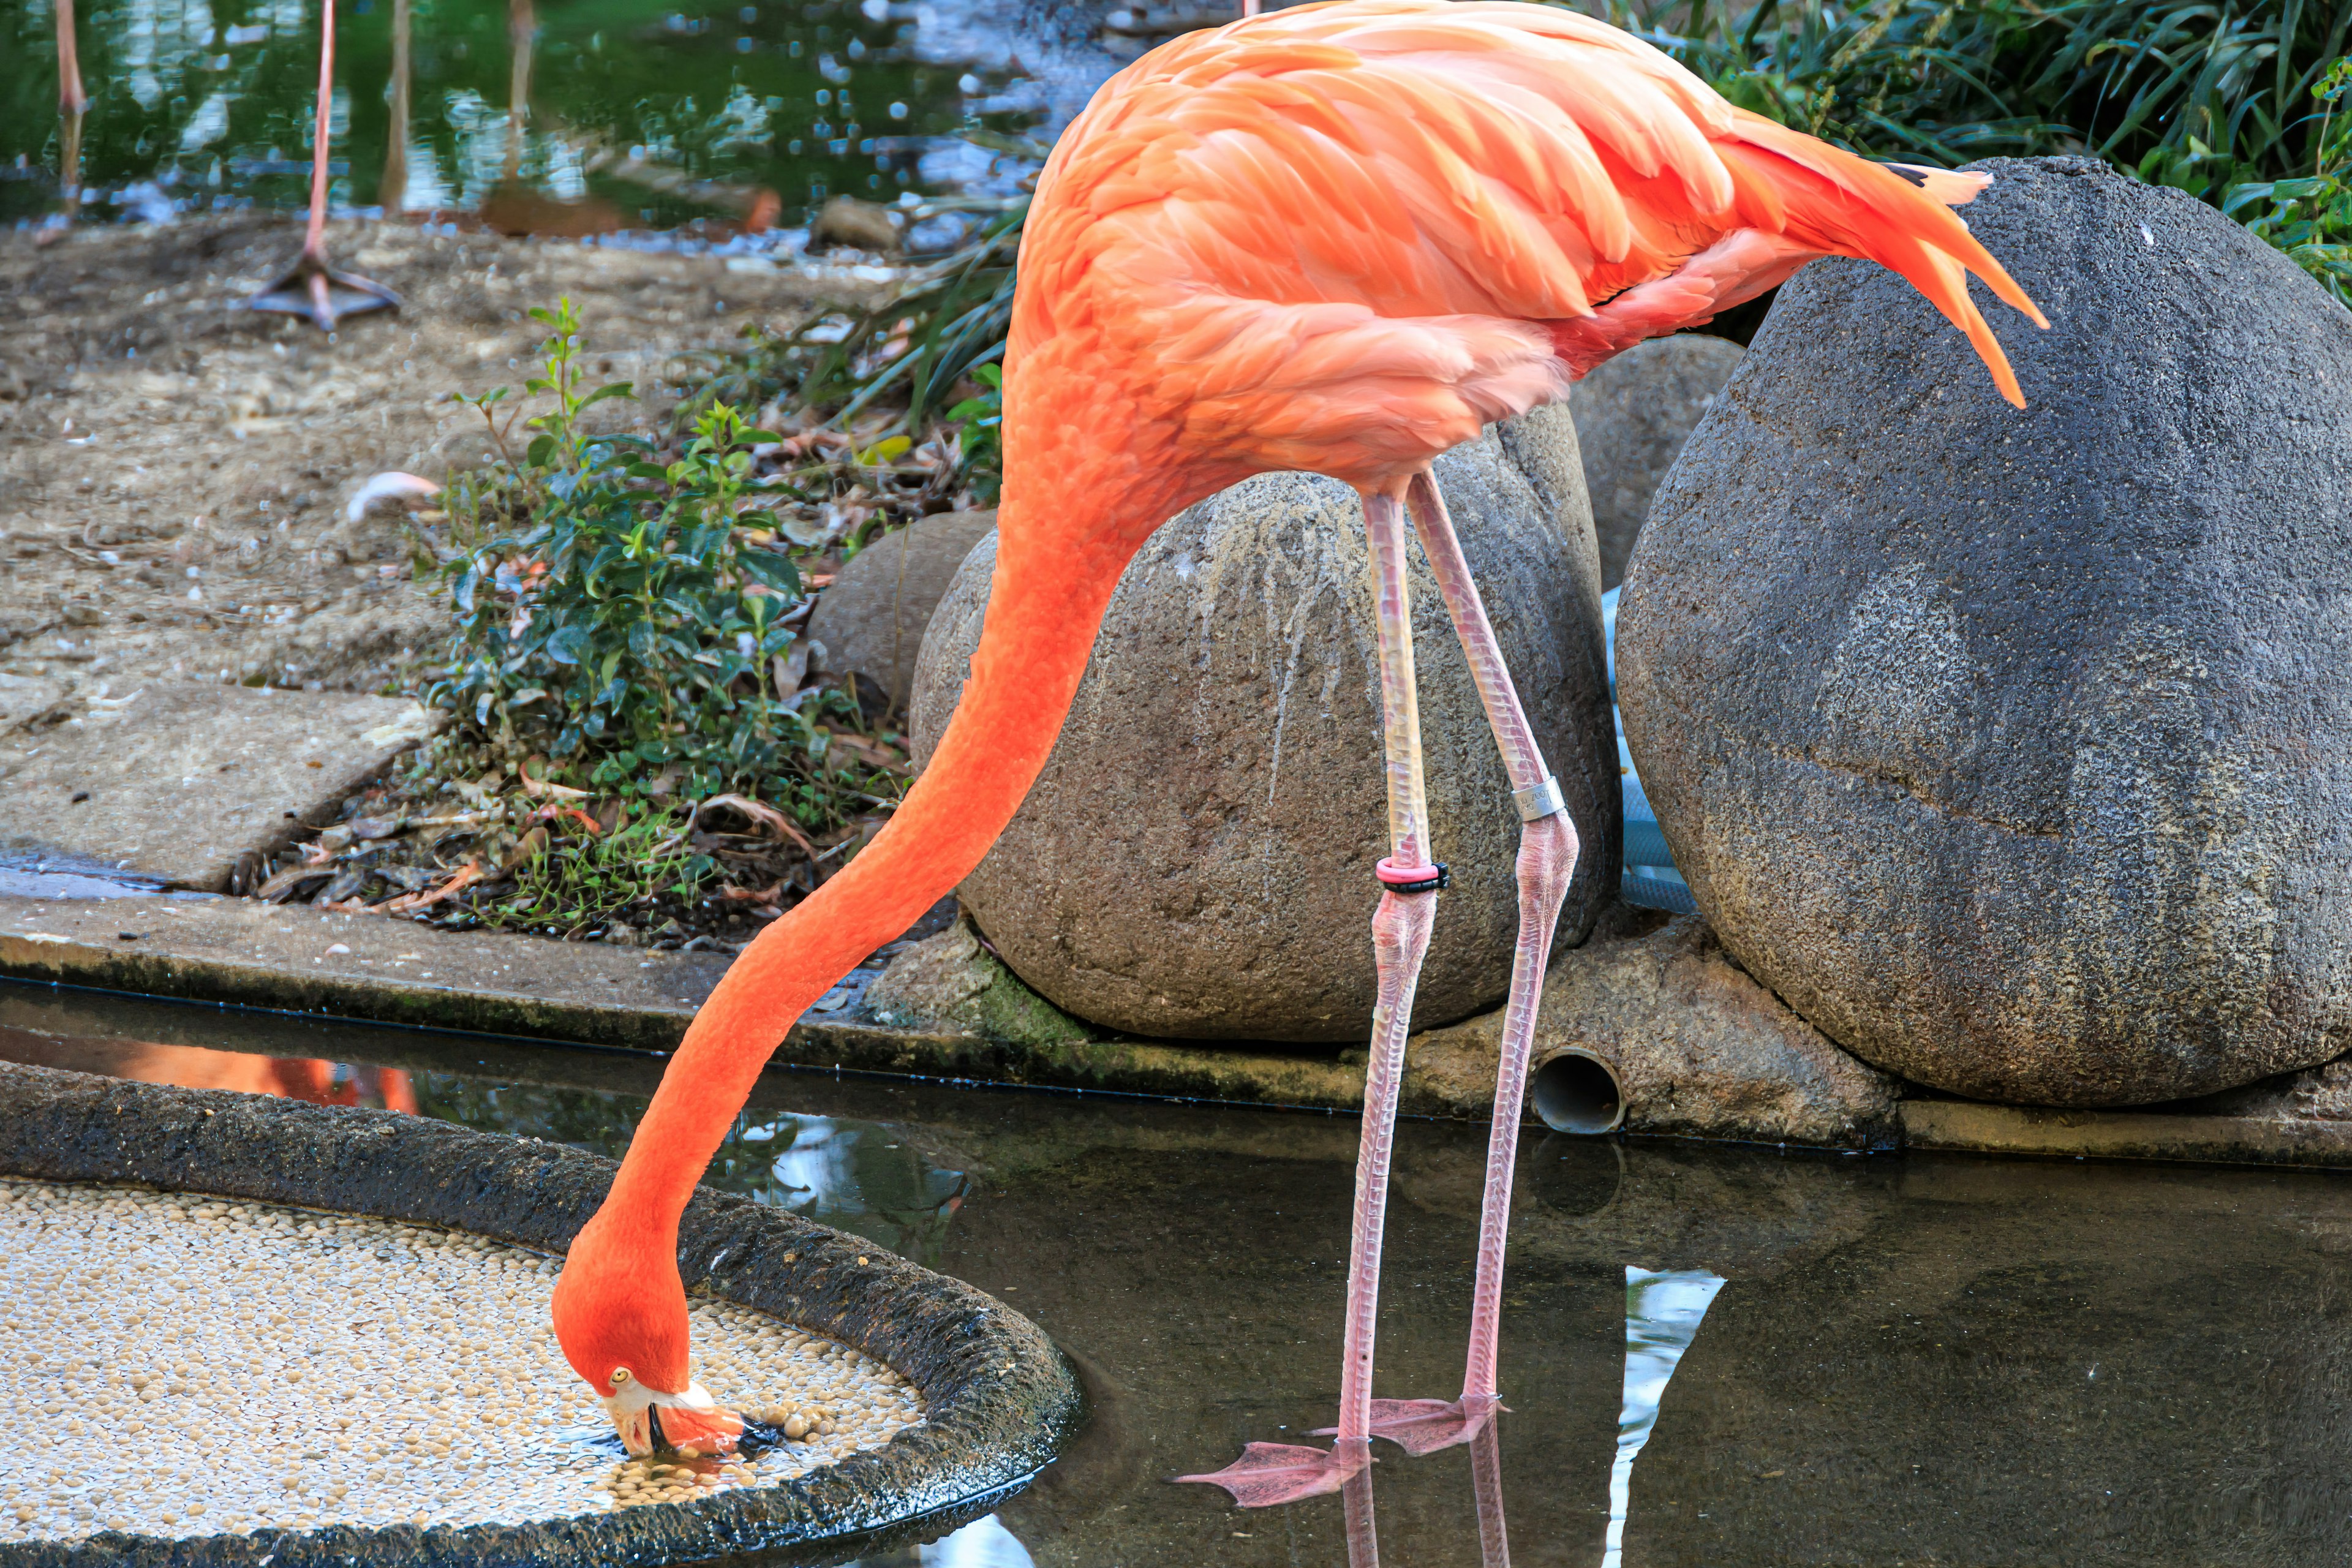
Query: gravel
(193,1365)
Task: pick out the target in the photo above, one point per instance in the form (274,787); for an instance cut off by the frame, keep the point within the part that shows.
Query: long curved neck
(1053,580)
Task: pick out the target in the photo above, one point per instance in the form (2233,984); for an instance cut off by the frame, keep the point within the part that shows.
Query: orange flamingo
(1339,239)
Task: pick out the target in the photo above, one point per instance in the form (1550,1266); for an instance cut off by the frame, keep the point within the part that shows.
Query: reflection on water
(1663,1311)
(826,1169)
(629,108)
(1925,1359)
(983,1543)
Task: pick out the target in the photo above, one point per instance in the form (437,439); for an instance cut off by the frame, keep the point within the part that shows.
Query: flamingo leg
(1271,1473)
(1487,1487)
(311,288)
(71,100)
(1547,862)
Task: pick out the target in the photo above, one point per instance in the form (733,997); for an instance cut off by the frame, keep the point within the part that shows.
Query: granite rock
(1632,415)
(953,982)
(1196,859)
(871,619)
(2013,748)
(1701,1050)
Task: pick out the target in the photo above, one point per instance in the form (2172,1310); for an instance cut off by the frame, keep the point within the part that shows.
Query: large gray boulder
(2014,749)
(1196,860)
(1633,415)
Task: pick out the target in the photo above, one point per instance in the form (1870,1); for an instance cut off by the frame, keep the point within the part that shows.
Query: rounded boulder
(2013,748)
(1196,859)
(1632,415)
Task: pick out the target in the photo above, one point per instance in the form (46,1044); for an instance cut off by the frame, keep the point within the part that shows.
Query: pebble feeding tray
(375,1245)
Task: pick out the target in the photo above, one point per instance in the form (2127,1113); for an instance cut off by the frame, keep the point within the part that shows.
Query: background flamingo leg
(1270,1473)
(1547,861)
(312,287)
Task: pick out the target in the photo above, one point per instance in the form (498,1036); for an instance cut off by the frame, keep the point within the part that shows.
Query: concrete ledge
(381,969)
(235,952)
(1968,1127)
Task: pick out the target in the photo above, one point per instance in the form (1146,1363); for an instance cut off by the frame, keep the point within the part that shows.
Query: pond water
(640,114)
(1713,1356)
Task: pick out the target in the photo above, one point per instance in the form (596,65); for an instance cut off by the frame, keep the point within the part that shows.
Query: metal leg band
(1539,801)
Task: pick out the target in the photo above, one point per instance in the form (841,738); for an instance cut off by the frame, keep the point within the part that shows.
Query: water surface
(1913,1359)
(642,114)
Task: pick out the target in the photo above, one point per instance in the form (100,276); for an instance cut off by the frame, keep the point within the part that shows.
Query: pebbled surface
(2014,750)
(1001,1398)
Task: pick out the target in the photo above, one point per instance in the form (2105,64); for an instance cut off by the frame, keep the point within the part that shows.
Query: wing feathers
(1438,173)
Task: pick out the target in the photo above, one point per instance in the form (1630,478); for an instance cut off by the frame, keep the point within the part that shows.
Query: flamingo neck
(1057,561)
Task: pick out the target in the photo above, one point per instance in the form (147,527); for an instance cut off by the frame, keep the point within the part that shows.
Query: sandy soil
(174,470)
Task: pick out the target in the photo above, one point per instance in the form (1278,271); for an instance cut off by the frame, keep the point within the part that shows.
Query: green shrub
(2192,93)
(2310,217)
(618,613)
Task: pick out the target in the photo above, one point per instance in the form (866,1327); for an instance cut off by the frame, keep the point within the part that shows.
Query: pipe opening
(1576,1091)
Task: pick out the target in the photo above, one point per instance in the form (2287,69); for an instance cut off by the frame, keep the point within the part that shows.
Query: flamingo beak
(692,1423)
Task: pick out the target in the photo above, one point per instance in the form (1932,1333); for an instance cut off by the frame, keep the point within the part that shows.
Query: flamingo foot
(313,288)
(1424,1425)
(1269,1474)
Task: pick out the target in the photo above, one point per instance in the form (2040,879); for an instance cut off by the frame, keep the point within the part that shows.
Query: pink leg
(1355,1516)
(1269,1473)
(71,100)
(1548,850)
(1486,1486)
(313,288)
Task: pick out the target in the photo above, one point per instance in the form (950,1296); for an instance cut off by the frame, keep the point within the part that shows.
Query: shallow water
(654,114)
(1907,1359)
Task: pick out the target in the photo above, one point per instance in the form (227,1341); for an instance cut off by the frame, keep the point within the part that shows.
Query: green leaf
(568,645)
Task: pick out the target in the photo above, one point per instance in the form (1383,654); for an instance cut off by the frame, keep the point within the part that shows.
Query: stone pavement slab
(174,782)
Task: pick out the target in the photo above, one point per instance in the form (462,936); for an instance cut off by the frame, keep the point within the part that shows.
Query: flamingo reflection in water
(1664,1309)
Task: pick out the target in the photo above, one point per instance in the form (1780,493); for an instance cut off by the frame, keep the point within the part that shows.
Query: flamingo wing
(1344,237)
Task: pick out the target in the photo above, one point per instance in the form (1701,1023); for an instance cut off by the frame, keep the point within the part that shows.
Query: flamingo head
(624,1329)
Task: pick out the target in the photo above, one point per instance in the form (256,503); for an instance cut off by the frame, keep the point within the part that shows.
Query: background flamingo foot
(316,290)
(1269,1474)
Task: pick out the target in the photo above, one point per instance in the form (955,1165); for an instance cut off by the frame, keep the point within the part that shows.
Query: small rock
(861,225)
(1633,415)
(1701,1049)
(949,982)
(871,619)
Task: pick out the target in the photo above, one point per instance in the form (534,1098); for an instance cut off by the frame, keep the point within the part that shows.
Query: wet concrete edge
(250,954)
(239,952)
(1001,1400)
(1970,1127)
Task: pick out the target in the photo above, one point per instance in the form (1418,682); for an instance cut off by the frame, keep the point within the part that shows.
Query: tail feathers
(1899,217)
(1953,187)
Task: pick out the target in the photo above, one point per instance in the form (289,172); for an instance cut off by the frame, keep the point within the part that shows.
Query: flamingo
(311,288)
(1340,239)
(71,99)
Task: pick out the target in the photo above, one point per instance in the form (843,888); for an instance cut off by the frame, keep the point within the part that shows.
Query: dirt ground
(174,470)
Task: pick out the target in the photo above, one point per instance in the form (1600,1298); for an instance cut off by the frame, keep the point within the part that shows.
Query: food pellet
(260,1367)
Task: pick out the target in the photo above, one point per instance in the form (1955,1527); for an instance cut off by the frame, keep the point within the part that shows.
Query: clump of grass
(641,875)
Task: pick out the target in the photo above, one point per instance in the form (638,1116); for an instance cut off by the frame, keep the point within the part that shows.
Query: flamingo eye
(620,1375)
